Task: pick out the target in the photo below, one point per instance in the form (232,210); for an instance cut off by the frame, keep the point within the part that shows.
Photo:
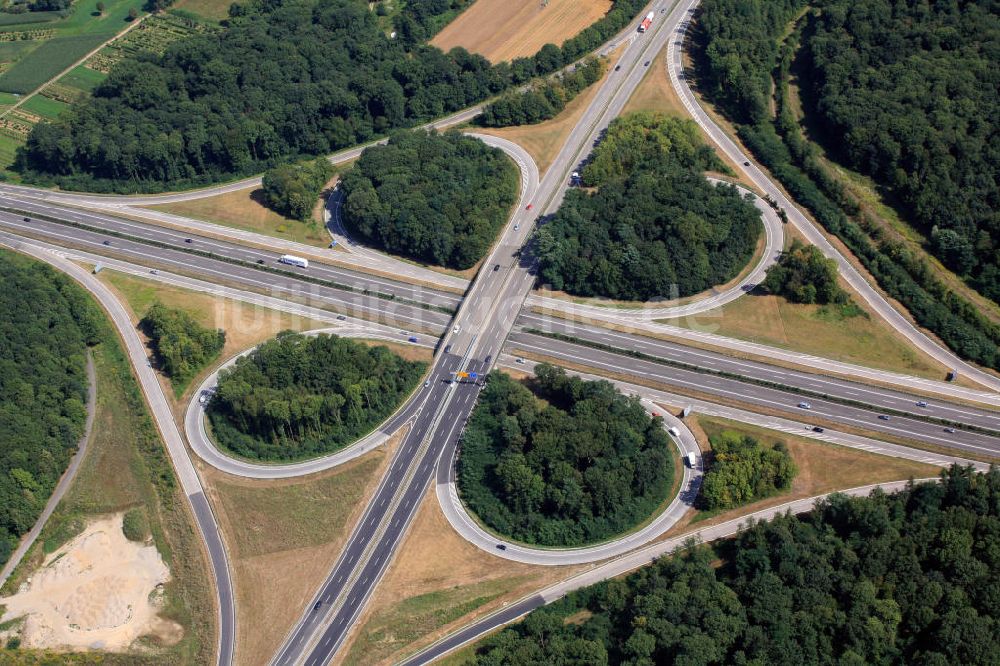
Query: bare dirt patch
(98,591)
(508,29)
(284,537)
(438,581)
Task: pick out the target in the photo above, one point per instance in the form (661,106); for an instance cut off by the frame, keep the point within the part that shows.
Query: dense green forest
(655,227)
(439,198)
(907,578)
(565,463)
(46,324)
(803,275)
(741,470)
(908,92)
(292,189)
(283,79)
(298,396)
(182,345)
(739,58)
(543,100)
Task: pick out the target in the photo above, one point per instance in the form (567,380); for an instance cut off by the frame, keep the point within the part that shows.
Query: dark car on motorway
(817,429)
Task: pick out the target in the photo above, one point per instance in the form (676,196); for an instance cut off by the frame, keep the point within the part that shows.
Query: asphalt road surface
(896,401)
(973,443)
(614,568)
(184,242)
(353,303)
(678,80)
(163,415)
(481,327)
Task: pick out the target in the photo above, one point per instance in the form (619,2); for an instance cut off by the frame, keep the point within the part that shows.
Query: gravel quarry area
(97,591)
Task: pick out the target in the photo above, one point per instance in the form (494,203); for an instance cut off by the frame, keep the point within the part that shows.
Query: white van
(692,460)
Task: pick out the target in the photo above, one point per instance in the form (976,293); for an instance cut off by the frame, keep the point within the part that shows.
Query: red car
(529,206)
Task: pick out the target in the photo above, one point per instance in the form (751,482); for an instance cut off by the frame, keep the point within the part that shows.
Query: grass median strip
(757,382)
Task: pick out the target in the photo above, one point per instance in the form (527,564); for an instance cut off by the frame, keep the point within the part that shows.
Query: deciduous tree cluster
(907,578)
(46,324)
(182,345)
(297,396)
(779,144)
(292,189)
(439,198)
(584,465)
(804,275)
(742,470)
(283,79)
(543,100)
(655,227)
(909,93)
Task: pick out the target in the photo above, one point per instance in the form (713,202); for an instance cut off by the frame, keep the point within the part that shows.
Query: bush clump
(135,525)
(742,470)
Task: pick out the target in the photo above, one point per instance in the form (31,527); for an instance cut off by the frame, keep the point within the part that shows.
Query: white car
(517,226)
(458,329)
(805,405)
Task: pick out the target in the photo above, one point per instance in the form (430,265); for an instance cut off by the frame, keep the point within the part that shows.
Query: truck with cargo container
(646,22)
(292,260)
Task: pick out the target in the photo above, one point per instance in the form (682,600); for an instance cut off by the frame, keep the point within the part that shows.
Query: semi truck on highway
(646,22)
(292,260)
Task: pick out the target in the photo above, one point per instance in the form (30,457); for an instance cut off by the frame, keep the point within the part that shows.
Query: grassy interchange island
(439,198)
(654,227)
(565,462)
(299,396)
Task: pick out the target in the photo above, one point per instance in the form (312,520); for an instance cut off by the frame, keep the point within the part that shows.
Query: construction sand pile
(98,591)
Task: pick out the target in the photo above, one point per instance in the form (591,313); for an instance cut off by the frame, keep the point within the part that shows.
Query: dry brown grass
(822,468)
(243,209)
(543,141)
(210,9)
(655,93)
(439,581)
(508,29)
(284,537)
(245,324)
(817,330)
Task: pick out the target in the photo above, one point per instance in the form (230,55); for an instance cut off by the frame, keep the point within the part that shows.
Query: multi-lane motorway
(474,332)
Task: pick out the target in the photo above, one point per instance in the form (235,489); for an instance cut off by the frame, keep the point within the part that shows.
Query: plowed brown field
(507,29)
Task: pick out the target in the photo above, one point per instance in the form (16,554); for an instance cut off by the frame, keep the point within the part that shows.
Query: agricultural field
(507,29)
(32,56)
(48,60)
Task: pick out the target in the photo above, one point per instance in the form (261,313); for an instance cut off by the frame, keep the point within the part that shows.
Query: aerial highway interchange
(492,321)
